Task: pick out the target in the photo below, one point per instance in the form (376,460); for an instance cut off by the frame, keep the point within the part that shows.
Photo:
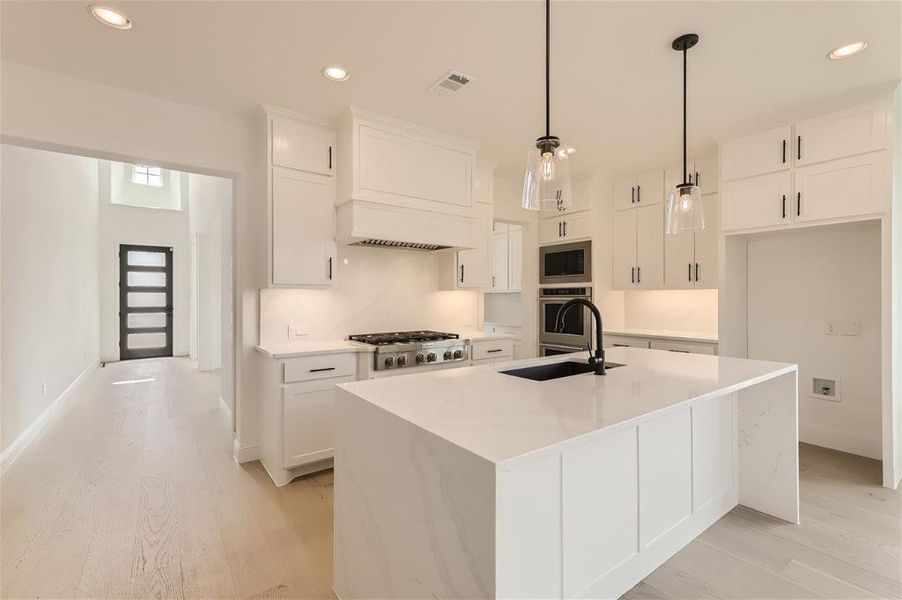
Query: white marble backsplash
(375,290)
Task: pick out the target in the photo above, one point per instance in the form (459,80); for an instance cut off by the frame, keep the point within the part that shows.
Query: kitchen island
(475,483)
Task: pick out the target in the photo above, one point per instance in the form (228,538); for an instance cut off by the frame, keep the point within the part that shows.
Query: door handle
(798,204)
(690,271)
(565,228)
(784,152)
(632,274)
(696,179)
(784,204)
(696,271)
(330,268)
(560,229)
(799,148)
(638,194)
(633,195)
(330,158)
(638,274)
(461,273)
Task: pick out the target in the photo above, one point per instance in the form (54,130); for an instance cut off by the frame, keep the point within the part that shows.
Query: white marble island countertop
(311,348)
(499,417)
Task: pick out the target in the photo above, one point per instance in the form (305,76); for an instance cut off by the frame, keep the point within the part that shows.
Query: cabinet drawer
(492,350)
(622,341)
(687,347)
(320,366)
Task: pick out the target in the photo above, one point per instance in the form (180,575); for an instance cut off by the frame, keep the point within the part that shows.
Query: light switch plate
(852,328)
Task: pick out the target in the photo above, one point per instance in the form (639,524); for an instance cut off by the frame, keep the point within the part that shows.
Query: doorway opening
(145,301)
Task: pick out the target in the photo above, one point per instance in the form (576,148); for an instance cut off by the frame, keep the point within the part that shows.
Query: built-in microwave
(565,263)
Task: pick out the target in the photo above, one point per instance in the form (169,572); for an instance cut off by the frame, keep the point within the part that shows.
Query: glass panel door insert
(145,301)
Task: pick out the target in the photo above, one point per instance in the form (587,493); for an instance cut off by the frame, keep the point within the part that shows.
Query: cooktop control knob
(458,354)
(420,359)
(447,355)
(402,360)
(389,361)
(430,357)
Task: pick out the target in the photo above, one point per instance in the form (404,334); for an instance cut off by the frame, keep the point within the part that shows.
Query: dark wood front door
(145,301)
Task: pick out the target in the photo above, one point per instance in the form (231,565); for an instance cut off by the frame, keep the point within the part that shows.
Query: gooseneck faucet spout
(598,359)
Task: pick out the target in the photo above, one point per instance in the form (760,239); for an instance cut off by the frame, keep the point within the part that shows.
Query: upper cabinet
(639,190)
(757,154)
(472,268)
(301,200)
(570,227)
(825,169)
(843,133)
(691,256)
(507,258)
(701,172)
(401,164)
(638,242)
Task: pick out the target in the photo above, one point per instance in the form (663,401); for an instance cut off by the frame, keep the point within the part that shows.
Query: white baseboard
(18,446)
(245,454)
(844,441)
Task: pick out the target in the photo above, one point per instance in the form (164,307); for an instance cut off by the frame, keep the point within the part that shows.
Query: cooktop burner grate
(402,337)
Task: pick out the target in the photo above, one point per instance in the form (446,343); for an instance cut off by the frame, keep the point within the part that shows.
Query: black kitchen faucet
(598,360)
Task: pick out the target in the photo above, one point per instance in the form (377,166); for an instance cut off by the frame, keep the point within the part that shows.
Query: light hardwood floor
(132,492)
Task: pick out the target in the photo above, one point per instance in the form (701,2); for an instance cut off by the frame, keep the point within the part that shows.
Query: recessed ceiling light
(110,16)
(335,73)
(846,50)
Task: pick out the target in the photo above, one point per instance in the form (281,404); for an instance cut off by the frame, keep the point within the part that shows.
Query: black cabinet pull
(461,273)
(321,370)
(799,148)
(495,350)
(696,178)
(633,195)
(638,274)
(696,271)
(632,274)
(690,271)
(798,204)
(683,351)
(621,345)
(784,206)
(330,158)
(565,228)
(784,152)
(330,267)
(560,229)
(638,193)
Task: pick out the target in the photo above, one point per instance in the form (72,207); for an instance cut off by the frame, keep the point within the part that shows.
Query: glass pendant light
(684,206)
(547,181)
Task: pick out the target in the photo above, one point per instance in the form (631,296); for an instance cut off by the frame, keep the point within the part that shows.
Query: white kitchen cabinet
(500,261)
(487,352)
(701,171)
(690,257)
(624,248)
(757,154)
(474,265)
(570,227)
(650,247)
(308,422)
(638,190)
(848,187)
(405,165)
(847,132)
(484,184)
(683,347)
(302,146)
(515,258)
(302,228)
(762,201)
(617,341)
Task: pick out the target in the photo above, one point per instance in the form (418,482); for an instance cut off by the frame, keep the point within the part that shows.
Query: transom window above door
(147,175)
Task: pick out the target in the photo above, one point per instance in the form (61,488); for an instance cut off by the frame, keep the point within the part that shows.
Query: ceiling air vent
(403,245)
(450,83)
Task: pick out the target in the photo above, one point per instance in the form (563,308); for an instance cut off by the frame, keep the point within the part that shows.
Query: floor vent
(451,83)
(372,243)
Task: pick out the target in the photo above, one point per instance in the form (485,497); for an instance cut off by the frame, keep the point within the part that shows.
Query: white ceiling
(615,80)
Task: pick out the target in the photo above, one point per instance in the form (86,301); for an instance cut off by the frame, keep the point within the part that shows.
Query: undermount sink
(557,370)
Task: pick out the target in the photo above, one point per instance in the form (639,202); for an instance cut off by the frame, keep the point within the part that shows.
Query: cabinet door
(551,230)
(499,262)
(302,147)
(474,266)
(679,250)
(624,242)
(303,228)
(577,226)
(624,193)
(650,247)
(704,271)
(704,174)
(843,133)
(307,421)
(841,188)
(650,188)
(757,154)
(515,258)
(761,201)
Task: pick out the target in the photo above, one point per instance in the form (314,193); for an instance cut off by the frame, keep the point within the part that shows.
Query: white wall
(122,224)
(49,280)
(799,280)
(376,290)
(99,120)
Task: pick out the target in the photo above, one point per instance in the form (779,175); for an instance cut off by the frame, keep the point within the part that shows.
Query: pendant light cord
(548,68)
(685,168)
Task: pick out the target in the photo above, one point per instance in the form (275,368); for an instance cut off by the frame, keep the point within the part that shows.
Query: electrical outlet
(825,389)
(830,328)
(852,328)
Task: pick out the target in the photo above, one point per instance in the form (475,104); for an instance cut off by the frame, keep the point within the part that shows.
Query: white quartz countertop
(501,417)
(485,336)
(684,336)
(309,348)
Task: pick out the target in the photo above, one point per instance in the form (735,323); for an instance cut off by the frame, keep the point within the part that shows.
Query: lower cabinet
(630,341)
(489,352)
(308,435)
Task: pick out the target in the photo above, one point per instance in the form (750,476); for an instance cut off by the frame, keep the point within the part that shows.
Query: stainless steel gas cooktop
(403,349)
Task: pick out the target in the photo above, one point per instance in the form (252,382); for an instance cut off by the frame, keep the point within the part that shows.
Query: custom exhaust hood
(404,186)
